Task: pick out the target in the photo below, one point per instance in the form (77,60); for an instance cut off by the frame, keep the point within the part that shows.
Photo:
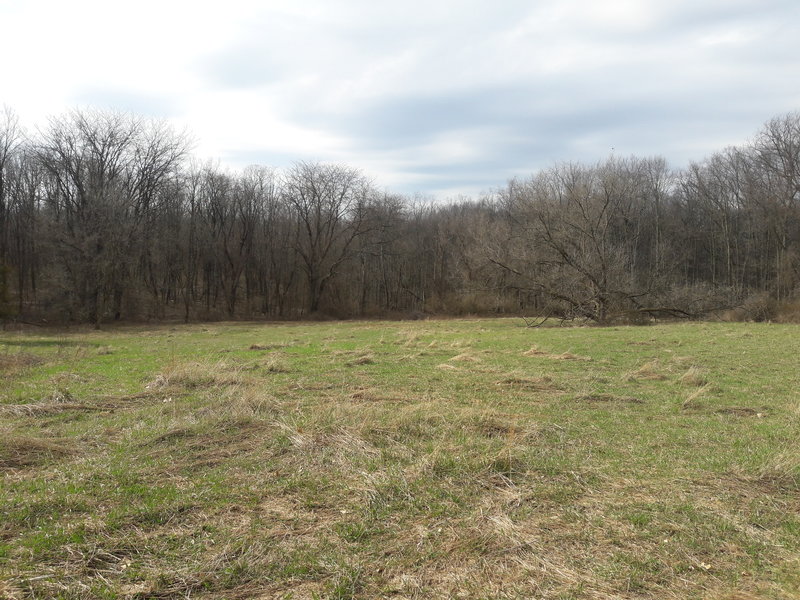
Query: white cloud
(419,94)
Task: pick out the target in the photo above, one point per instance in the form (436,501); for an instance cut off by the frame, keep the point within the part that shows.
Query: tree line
(105,216)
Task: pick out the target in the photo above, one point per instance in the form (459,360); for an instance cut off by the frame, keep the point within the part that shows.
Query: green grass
(436,459)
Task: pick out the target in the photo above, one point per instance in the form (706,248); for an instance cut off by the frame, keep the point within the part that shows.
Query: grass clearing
(434,459)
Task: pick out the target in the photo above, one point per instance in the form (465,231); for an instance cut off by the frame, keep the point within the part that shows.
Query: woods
(105,216)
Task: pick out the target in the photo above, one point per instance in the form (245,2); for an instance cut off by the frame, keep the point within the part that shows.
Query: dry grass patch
(743,411)
(408,338)
(339,447)
(364,359)
(60,400)
(570,356)
(783,468)
(275,363)
(492,426)
(691,400)
(536,351)
(47,408)
(371,395)
(649,371)
(693,377)
(446,367)
(263,347)
(539,384)
(609,398)
(197,375)
(465,357)
(18,452)
(245,402)
(19,361)
(206,443)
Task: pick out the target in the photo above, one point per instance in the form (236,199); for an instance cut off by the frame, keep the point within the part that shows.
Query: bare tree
(105,169)
(328,202)
(10,137)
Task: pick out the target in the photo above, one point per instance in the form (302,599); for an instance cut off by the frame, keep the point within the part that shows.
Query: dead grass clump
(340,444)
(366,395)
(609,398)
(64,379)
(569,356)
(274,363)
(206,443)
(365,359)
(47,408)
(10,592)
(19,361)
(411,338)
(543,384)
(693,377)
(492,427)
(742,411)
(465,357)
(263,347)
(505,468)
(21,451)
(691,400)
(446,367)
(495,427)
(196,375)
(534,351)
(649,371)
(60,400)
(783,468)
(246,402)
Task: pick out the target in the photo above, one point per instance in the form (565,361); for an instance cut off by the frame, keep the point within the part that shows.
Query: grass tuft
(19,361)
(608,398)
(18,452)
(649,371)
(693,377)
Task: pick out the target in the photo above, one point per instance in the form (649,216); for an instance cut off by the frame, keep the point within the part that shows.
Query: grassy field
(433,459)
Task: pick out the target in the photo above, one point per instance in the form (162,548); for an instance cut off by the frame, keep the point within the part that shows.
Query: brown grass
(569,356)
(275,363)
(691,399)
(18,452)
(46,408)
(536,351)
(446,367)
(465,357)
(543,384)
(205,444)
(783,468)
(197,375)
(364,359)
(693,377)
(649,371)
(609,398)
(19,361)
(743,411)
(371,395)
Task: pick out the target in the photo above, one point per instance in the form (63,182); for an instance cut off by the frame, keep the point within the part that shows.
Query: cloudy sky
(440,97)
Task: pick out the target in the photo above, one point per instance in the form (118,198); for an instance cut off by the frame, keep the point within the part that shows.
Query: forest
(105,216)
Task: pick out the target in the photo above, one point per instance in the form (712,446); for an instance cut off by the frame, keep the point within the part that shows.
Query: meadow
(424,459)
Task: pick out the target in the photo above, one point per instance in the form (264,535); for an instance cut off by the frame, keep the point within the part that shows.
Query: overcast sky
(441,97)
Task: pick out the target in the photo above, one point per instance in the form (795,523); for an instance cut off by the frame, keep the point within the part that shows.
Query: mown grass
(437,459)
